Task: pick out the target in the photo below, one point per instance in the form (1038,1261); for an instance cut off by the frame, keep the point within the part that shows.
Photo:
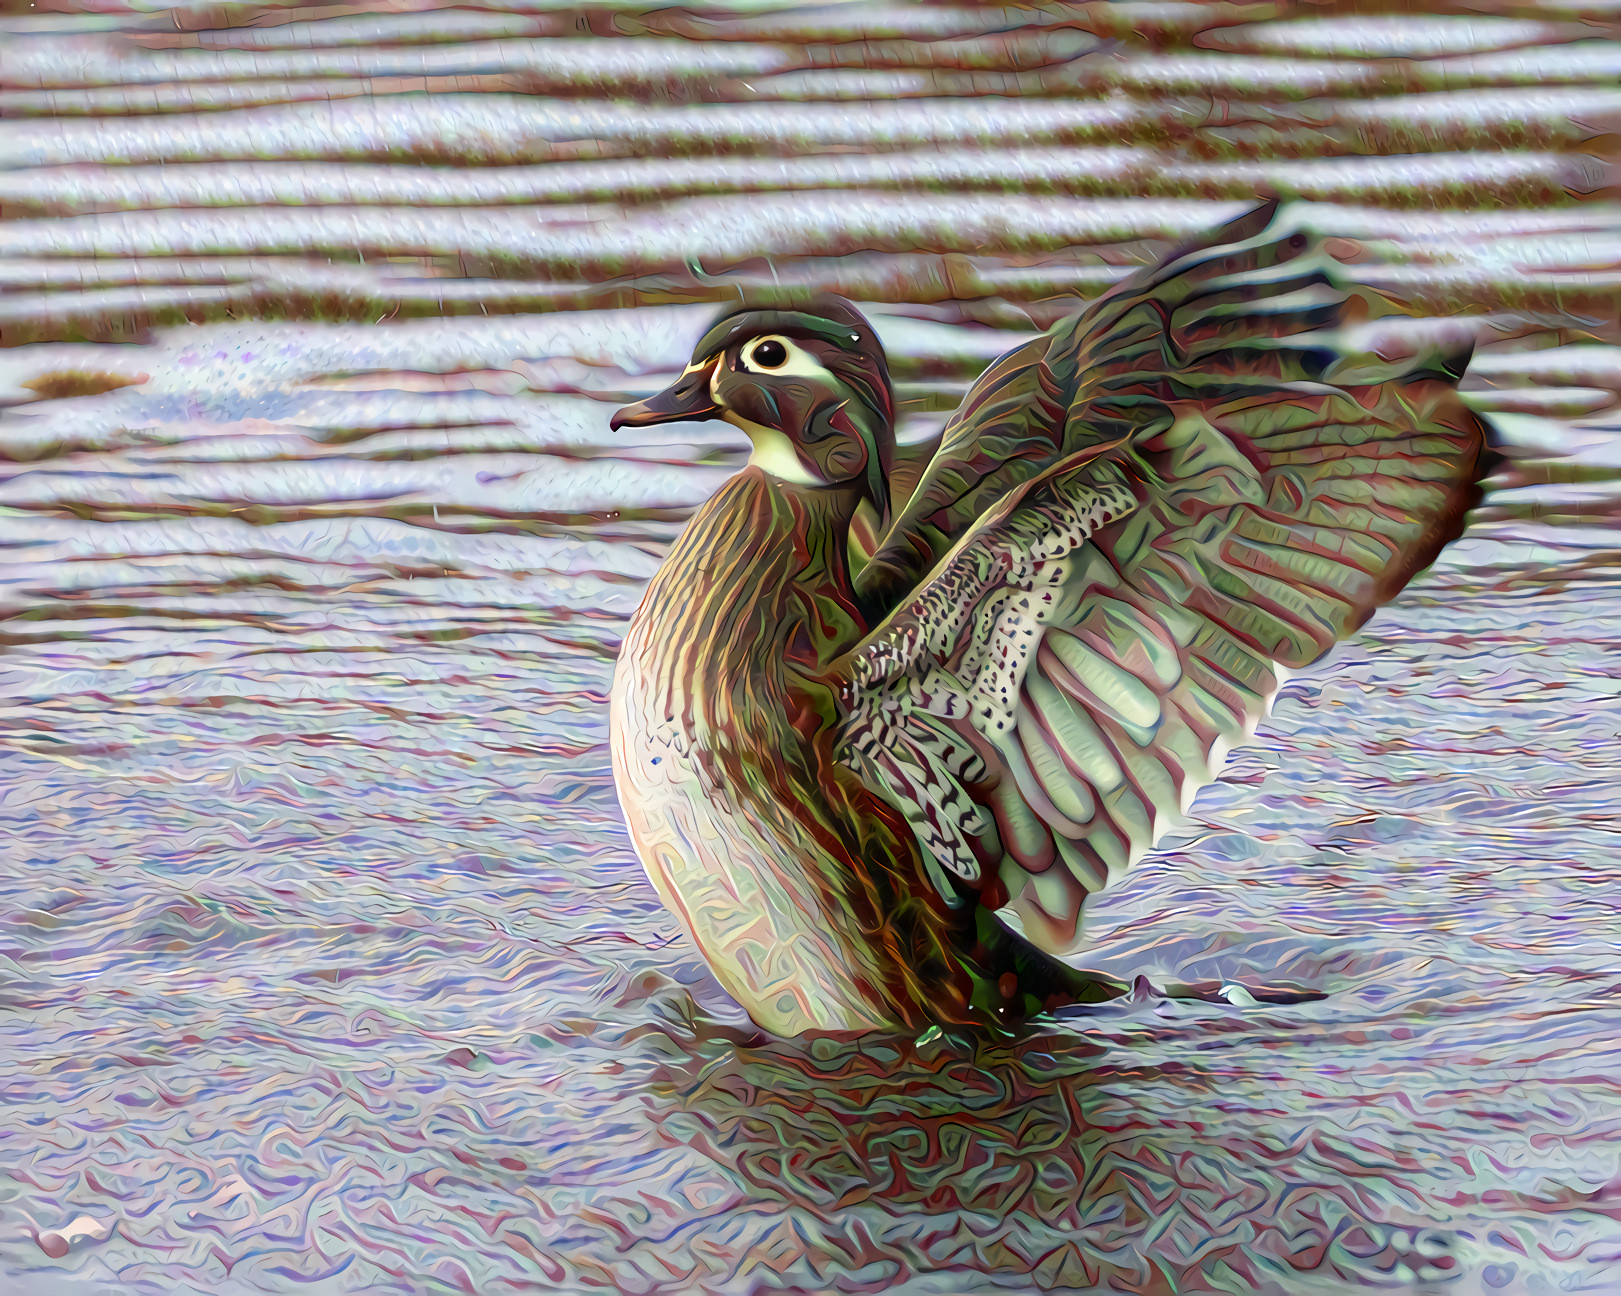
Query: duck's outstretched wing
(1245,491)
(1236,316)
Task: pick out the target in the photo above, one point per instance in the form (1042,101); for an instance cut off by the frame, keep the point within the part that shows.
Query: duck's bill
(687,400)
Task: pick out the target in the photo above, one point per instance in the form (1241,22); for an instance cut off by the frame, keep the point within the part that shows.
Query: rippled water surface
(325,962)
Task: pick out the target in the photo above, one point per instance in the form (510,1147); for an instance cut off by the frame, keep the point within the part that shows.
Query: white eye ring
(753,350)
(799,362)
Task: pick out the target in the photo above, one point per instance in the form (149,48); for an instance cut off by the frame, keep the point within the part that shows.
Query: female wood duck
(878,793)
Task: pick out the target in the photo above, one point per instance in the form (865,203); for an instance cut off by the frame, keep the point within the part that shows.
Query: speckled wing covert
(1195,484)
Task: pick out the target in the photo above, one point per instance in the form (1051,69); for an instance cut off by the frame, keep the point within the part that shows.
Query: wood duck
(877,793)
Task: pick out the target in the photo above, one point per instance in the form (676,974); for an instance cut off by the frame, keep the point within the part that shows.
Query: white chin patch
(774,453)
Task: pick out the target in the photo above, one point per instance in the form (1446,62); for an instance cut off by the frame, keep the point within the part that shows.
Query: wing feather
(1132,529)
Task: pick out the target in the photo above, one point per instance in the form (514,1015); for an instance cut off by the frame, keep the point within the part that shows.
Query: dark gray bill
(687,400)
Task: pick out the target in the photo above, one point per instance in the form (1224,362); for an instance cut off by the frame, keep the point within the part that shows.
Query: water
(326,963)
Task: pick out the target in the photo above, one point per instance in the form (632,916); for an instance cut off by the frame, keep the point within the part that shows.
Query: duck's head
(808,383)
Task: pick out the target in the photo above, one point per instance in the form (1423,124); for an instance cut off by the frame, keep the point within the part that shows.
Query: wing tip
(1240,229)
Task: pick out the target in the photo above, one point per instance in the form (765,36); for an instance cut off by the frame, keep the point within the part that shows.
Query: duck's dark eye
(769,354)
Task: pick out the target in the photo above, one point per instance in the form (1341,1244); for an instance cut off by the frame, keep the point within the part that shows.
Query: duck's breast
(753,887)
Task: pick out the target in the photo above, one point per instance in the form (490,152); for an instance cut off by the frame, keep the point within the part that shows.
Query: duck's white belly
(746,895)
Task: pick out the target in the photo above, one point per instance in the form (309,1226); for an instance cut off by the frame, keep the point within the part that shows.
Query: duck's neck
(758,585)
